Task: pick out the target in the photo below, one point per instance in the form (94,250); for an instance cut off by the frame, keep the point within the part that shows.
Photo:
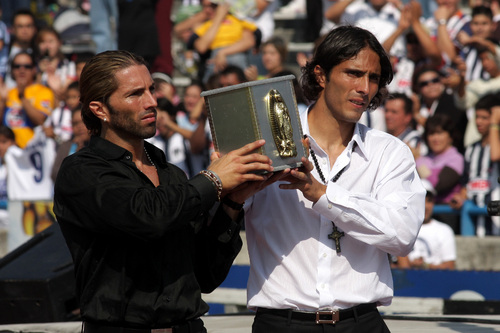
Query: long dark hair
(341,44)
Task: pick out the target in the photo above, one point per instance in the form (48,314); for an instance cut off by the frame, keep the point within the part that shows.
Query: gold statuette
(281,126)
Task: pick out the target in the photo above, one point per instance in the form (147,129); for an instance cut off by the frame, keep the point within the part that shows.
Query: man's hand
(302,180)
(239,166)
(244,191)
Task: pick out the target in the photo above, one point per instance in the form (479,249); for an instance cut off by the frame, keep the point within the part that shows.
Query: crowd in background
(444,100)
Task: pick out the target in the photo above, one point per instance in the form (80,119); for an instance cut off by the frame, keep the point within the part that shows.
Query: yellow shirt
(230,31)
(15,116)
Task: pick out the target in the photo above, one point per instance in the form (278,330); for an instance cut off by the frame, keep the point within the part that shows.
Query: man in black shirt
(144,239)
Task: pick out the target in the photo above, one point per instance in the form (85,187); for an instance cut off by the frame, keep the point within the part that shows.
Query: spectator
(381,17)
(59,125)
(434,97)
(80,61)
(28,104)
(444,26)
(164,87)
(188,118)
(443,165)
(172,141)
(420,49)
(480,175)
(22,38)
(7,139)
(482,28)
(184,27)
(263,17)
(495,136)
(23,32)
(222,40)
(28,179)
(400,123)
(55,70)
(231,75)
(79,139)
(435,247)
(468,94)
(302,102)
(273,55)
(4,49)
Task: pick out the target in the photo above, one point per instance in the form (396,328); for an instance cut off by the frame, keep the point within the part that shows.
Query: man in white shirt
(435,246)
(319,239)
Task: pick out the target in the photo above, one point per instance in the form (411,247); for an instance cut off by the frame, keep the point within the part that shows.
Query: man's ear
(320,75)
(99,110)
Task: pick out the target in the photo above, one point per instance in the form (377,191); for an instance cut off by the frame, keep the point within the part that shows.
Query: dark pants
(370,322)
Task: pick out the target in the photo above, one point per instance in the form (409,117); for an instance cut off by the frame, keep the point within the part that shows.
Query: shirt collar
(359,135)
(111,151)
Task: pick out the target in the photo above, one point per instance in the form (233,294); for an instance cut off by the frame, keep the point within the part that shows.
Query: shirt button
(330,206)
(127,157)
(323,161)
(324,255)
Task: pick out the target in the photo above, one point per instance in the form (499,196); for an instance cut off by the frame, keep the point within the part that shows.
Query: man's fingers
(256,166)
(249,147)
(245,159)
(307,164)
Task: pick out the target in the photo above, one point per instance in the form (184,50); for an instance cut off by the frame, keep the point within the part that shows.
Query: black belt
(321,316)
(193,326)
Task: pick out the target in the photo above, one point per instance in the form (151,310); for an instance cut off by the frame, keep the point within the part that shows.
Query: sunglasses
(25,66)
(422,84)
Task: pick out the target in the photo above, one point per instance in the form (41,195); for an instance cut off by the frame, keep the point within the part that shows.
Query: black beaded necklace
(336,234)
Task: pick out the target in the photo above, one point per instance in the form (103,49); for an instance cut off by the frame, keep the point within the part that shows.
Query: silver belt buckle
(162,330)
(333,313)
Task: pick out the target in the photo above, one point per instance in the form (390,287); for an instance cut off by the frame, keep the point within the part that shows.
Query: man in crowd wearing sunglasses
(28,104)
(435,92)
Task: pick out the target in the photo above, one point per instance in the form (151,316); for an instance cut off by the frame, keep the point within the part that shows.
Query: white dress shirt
(378,202)
(435,243)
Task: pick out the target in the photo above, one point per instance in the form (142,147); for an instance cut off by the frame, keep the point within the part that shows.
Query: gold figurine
(281,126)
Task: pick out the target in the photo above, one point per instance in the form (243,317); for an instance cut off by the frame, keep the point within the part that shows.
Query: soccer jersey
(15,117)
(28,175)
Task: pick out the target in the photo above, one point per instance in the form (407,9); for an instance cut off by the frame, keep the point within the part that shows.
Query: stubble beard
(127,127)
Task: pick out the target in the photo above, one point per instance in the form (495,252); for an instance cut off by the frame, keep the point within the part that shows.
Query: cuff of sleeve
(206,189)
(328,204)
(223,227)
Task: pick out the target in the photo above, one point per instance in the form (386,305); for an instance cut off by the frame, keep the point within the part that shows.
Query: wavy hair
(341,44)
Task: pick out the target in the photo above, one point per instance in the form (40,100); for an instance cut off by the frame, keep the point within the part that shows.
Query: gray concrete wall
(475,253)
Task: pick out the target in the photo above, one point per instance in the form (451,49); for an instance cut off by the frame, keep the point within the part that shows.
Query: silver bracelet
(215,180)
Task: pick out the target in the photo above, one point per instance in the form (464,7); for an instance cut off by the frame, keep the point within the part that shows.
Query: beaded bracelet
(495,126)
(215,180)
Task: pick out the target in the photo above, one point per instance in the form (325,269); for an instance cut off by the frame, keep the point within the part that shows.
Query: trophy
(263,109)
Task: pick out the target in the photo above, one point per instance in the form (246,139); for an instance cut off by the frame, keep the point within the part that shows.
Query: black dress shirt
(142,254)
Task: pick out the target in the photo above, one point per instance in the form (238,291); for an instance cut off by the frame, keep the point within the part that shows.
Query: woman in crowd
(55,71)
(443,166)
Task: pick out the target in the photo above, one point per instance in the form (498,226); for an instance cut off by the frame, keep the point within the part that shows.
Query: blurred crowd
(444,100)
